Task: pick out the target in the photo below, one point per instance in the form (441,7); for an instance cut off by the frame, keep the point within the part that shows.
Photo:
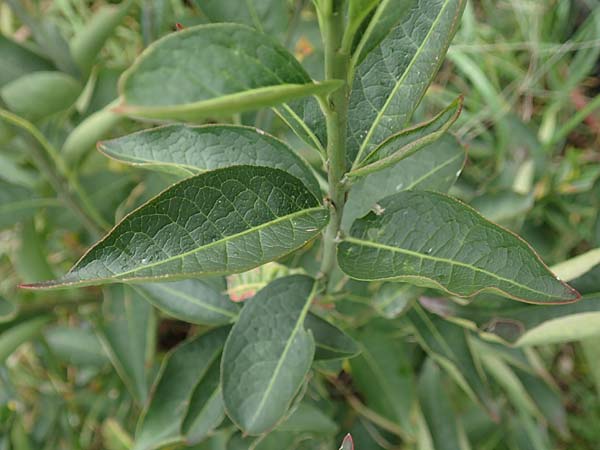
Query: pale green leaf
(330,341)
(18,60)
(182,370)
(185,150)
(432,240)
(269,16)
(125,333)
(406,143)
(578,266)
(526,324)
(208,70)
(225,221)
(13,336)
(18,203)
(87,42)
(40,94)
(395,61)
(268,354)
(435,168)
(8,310)
(198,301)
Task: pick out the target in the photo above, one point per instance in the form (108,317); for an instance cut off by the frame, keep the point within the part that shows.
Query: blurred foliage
(530,74)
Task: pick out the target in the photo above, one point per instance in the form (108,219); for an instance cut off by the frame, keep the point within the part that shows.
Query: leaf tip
(347,443)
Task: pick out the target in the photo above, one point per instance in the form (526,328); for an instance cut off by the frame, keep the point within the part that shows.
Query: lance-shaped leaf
(330,341)
(206,410)
(125,335)
(195,301)
(383,375)
(40,94)
(449,345)
(395,63)
(183,369)
(523,325)
(408,142)
(18,60)
(268,354)
(185,150)
(225,221)
(433,240)
(436,168)
(440,417)
(210,70)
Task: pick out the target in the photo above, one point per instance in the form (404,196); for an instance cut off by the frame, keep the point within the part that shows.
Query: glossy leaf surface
(268,354)
(225,221)
(432,240)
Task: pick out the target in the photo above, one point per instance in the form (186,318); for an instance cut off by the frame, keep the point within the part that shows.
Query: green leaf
(268,354)
(382,373)
(406,143)
(309,418)
(184,151)
(206,410)
(125,335)
(449,345)
(225,221)
(84,136)
(268,16)
(394,299)
(523,325)
(40,94)
(195,301)
(182,370)
(30,260)
(395,63)
(11,338)
(18,203)
(578,266)
(437,409)
(209,70)
(18,60)
(87,43)
(432,240)
(8,310)
(78,346)
(435,168)
(330,341)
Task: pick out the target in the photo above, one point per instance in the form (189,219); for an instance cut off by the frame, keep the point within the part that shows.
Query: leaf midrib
(224,240)
(444,260)
(190,299)
(417,54)
(299,324)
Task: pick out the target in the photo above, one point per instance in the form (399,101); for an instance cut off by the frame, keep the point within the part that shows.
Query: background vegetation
(530,74)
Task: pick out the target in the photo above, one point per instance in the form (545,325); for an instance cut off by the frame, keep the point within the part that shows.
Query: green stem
(335,108)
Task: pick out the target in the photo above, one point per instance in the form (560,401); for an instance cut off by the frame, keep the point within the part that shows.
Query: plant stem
(335,108)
